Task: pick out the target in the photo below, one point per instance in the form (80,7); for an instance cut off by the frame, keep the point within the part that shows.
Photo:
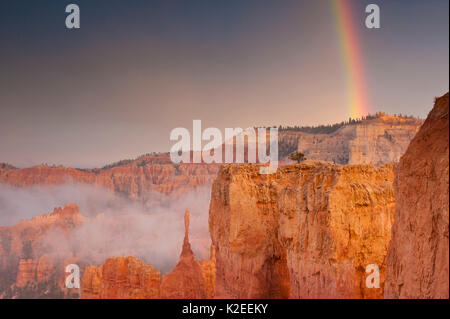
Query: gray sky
(115,88)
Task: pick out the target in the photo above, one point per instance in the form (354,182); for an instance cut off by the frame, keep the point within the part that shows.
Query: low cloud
(115,226)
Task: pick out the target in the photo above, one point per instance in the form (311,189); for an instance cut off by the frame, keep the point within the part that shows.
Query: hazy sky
(135,70)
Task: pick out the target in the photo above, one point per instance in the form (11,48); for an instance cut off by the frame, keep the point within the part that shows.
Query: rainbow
(351,53)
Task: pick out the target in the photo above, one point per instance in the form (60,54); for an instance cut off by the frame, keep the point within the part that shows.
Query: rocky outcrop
(34,271)
(418,258)
(379,140)
(21,241)
(308,231)
(24,270)
(121,278)
(128,277)
(190,279)
(208,270)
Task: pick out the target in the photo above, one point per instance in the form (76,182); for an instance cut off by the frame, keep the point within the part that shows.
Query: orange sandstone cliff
(308,231)
(128,277)
(418,257)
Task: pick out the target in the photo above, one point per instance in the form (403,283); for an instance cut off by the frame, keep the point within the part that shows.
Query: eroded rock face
(128,277)
(418,258)
(190,279)
(121,278)
(23,270)
(34,270)
(137,180)
(376,141)
(308,231)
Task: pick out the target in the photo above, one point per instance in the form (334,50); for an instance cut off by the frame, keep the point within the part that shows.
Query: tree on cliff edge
(297,156)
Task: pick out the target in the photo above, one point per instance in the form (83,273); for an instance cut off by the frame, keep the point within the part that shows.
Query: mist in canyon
(113,225)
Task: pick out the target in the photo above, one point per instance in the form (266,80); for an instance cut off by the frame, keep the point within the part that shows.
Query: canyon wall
(376,141)
(418,257)
(142,179)
(308,231)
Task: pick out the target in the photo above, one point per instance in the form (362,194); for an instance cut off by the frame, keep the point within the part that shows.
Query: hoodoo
(128,277)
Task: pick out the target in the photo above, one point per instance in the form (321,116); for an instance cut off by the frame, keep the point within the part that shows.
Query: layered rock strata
(376,141)
(308,231)
(142,179)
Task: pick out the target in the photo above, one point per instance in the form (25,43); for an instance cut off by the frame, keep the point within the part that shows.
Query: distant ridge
(330,128)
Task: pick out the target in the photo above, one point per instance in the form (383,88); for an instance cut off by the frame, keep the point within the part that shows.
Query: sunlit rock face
(418,258)
(308,231)
(379,140)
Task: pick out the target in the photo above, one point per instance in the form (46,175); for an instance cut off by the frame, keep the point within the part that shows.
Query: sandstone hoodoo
(29,268)
(308,231)
(418,257)
(129,278)
(190,279)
